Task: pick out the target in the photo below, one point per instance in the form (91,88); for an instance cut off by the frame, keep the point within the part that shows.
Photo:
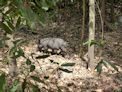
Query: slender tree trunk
(13,69)
(83,27)
(91,33)
(112,11)
(103,10)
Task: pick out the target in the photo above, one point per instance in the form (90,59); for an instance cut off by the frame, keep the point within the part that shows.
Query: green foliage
(5,28)
(99,43)
(16,52)
(3,2)
(8,26)
(30,12)
(42,57)
(99,67)
(32,68)
(2,82)
(19,42)
(63,66)
(18,23)
(65,70)
(28,62)
(112,65)
(33,12)
(35,88)
(14,14)
(46,4)
(68,64)
(119,90)
(37,79)
(105,63)
(2,43)
(15,86)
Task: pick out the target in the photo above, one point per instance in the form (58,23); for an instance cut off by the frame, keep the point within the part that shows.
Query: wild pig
(43,43)
(57,45)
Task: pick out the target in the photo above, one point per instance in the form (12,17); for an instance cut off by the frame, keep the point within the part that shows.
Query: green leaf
(86,43)
(65,70)
(32,68)
(102,43)
(19,42)
(18,22)
(59,89)
(104,63)
(38,3)
(35,88)
(45,8)
(44,5)
(12,50)
(72,0)
(68,64)
(5,28)
(37,79)
(119,89)
(6,38)
(52,61)
(41,16)
(10,25)
(42,57)
(19,52)
(15,86)
(2,82)
(3,2)
(28,62)
(2,43)
(10,10)
(94,42)
(112,65)
(42,20)
(46,77)
(51,3)
(16,52)
(99,67)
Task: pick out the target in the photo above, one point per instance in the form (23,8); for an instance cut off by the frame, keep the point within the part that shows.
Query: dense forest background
(92,59)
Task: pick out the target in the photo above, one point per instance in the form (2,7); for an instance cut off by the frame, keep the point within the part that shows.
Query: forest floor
(79,79)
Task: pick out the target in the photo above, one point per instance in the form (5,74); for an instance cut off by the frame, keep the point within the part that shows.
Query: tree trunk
(112,11)
(83,27)
(91,33)
(13,69)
